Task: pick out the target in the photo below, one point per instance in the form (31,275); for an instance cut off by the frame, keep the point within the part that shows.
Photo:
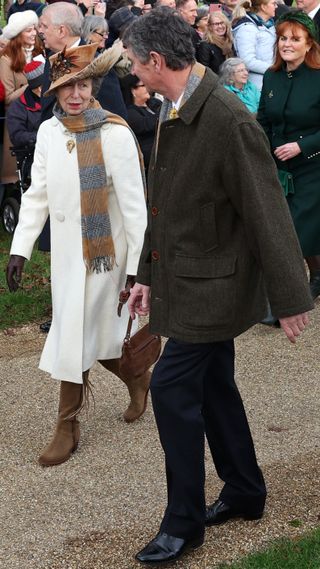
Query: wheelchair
(10,194)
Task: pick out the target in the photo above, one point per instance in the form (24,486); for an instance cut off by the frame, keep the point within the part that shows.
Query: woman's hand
(287,151)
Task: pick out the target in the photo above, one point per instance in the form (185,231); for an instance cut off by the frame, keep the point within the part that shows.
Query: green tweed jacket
(219,236)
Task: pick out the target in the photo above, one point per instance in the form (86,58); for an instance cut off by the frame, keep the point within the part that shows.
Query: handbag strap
(128,332)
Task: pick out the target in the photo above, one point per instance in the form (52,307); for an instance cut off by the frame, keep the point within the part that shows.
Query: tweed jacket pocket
(208,285)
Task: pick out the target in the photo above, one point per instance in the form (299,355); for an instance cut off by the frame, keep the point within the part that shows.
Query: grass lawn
(33,301)
(302,553)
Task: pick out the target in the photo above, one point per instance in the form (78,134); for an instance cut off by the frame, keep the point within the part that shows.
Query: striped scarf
(97,243)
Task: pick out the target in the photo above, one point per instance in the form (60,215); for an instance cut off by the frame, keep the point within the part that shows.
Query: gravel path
(104,504)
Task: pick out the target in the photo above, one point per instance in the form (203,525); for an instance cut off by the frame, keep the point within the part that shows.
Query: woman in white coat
(254,36)
(87,175)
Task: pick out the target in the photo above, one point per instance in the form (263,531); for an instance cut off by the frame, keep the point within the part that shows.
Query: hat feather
(103,63)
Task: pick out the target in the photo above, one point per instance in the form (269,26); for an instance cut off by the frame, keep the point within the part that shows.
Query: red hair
(14,50)
(312,57)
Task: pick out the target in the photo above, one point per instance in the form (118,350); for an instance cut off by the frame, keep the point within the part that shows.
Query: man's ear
(63,31)
(156,60)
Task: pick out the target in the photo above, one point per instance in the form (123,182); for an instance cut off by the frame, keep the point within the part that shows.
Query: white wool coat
(85,326)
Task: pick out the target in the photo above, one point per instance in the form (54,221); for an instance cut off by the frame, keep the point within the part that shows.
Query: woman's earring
(91,99)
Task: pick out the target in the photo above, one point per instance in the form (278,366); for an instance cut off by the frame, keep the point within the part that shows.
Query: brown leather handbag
(139,352)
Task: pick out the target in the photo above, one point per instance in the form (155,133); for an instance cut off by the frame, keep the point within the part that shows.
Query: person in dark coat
(24,114)
(143,112)
(218,237)
(289,112)
(22,6)
(94,29)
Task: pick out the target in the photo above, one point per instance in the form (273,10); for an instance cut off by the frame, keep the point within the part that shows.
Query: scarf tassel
(100,264)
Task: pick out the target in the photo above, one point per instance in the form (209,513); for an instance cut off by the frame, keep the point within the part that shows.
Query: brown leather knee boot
(138,390)
(67,434)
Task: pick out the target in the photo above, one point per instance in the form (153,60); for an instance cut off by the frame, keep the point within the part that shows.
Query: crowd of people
(177,155)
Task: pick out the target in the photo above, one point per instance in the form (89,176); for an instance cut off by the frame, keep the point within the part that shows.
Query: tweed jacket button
(59,216)
(155,255)
(154,210)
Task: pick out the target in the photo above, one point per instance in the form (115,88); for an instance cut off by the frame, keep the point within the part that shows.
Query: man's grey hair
(162,31)
(65,14)
(227,69)
(92,24)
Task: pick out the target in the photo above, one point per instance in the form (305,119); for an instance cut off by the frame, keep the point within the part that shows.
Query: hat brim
(99,67)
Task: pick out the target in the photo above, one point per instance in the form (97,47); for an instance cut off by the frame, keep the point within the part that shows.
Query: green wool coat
(289,111)
(219,228)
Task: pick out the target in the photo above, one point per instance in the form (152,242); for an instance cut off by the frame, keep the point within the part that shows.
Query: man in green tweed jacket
(219,241)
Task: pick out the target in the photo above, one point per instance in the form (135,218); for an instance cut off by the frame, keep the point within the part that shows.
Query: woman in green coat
(289,112)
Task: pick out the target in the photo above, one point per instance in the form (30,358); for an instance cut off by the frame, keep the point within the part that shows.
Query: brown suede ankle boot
(67,434)
(138,390)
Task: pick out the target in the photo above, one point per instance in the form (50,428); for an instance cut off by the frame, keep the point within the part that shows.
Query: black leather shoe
(45,326)
(219,513)
(165,548)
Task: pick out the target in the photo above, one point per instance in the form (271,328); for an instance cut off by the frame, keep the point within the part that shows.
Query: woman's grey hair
(201,13)
(227,69)
(92,24)
(65,14)
(162,31)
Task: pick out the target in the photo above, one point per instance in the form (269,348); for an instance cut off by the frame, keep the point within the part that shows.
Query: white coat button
(59,216)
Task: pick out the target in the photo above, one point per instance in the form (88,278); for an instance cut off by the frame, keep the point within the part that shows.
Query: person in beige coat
(22,46)
(87,176)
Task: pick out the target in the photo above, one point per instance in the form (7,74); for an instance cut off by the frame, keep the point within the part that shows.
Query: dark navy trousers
(194,396)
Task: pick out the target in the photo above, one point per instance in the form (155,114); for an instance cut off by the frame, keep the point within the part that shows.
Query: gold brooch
(270,94)
(70,145)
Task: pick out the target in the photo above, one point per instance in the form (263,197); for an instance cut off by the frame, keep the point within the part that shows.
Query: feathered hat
(77,63)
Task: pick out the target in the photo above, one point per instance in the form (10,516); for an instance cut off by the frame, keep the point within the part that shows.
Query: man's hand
(294,325)
(14,272)
(139,301)
(287,151)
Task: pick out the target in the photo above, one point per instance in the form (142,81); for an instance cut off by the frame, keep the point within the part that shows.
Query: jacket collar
(192,106)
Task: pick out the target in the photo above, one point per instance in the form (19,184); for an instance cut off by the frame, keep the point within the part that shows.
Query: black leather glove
(14,272)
